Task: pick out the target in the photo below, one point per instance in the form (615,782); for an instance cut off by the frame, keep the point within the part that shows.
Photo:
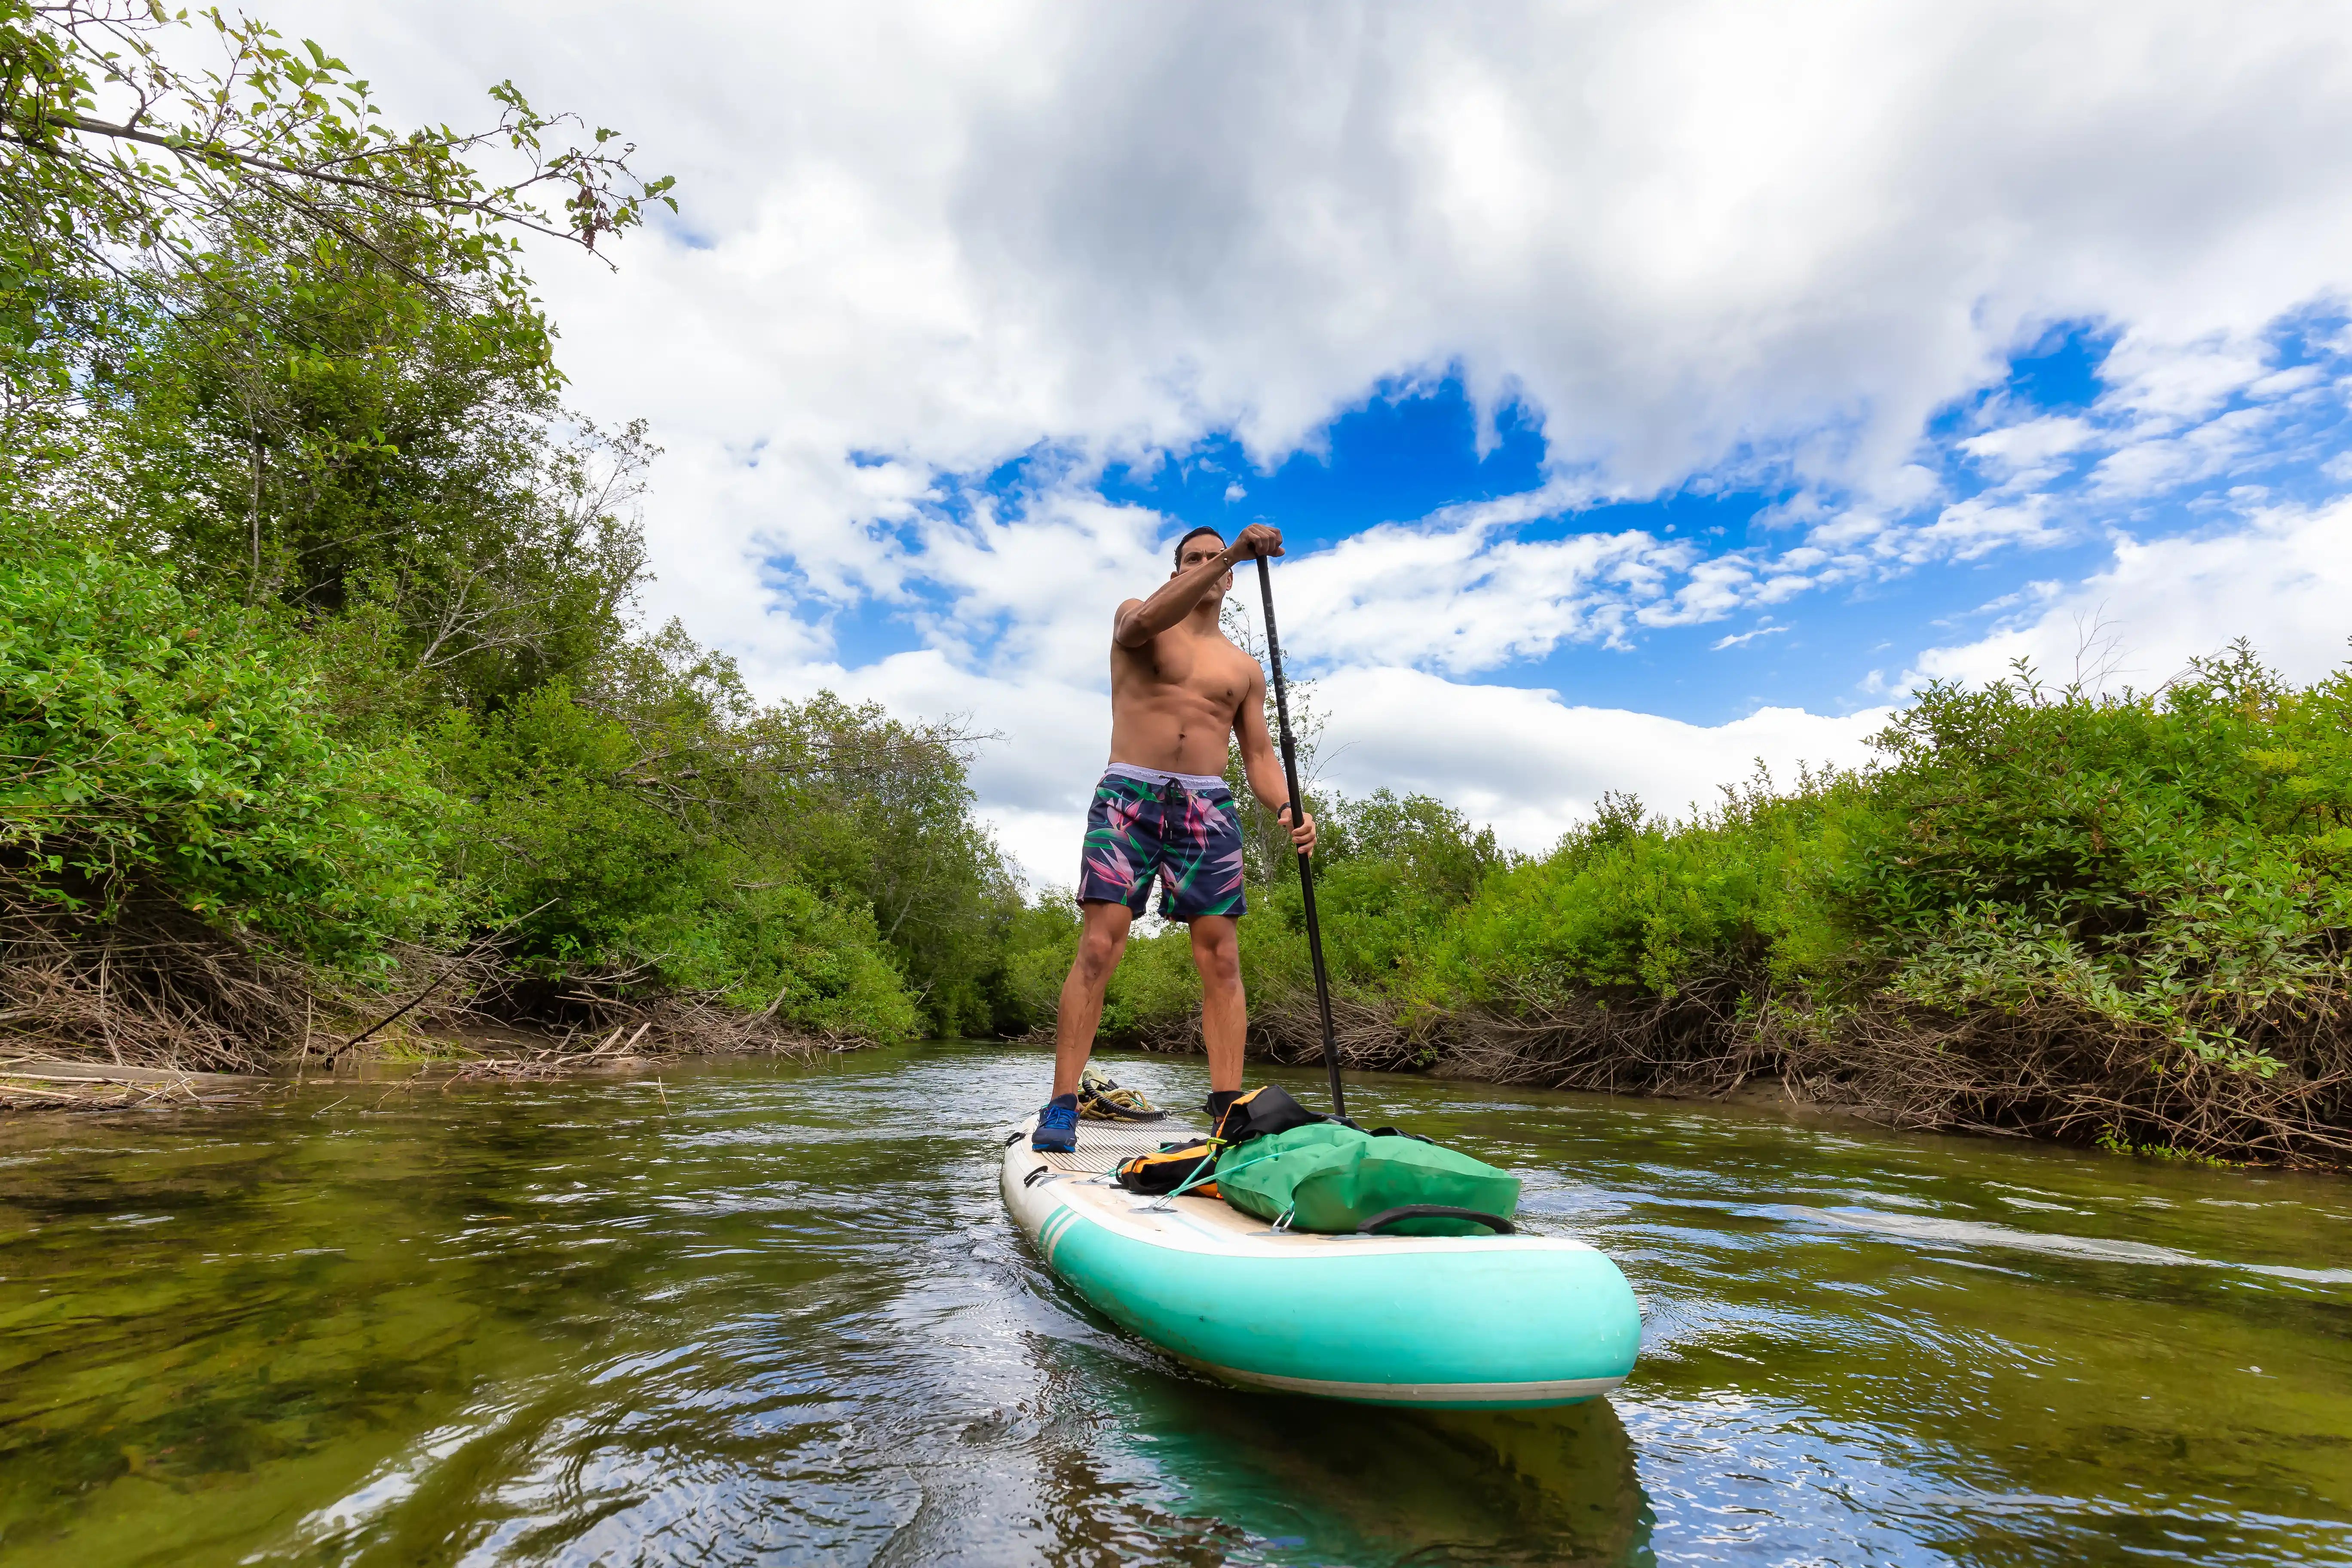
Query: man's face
(1204,547)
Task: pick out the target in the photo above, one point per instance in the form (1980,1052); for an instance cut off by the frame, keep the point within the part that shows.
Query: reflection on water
(778,1316)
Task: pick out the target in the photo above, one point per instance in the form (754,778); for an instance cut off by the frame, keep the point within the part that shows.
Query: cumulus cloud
(2026,449)
(1459,592)
(2280,578)
(1678,230)
(1534,766)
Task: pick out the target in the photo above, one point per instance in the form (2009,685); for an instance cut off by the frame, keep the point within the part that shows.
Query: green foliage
(125,167)
(1034,943)
(1631,902)
(879,812)
(153,746)
(1155,996)
(329,439)
(2113,1142)
(610,848)
(2171,861)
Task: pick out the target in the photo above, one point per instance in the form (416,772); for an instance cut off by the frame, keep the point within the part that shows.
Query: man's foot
(1057,1126)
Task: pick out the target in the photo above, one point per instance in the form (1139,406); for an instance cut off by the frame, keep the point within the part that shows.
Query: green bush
(1631,902)
(2171,860)
(613,855)
(2171,863)
(155,746)
(1035,942)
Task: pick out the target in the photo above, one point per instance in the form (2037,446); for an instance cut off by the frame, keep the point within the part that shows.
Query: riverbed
(762,1312)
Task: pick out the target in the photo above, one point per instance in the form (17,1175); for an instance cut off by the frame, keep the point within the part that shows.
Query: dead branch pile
(2055,1074)
(1698,1042)
(157,987)
(1366,1031)
(2049,1074)
(153,987)
(27,1094)
(1289,1032)
(590,1007)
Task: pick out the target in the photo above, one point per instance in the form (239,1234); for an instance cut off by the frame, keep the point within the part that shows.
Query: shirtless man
(1179,690)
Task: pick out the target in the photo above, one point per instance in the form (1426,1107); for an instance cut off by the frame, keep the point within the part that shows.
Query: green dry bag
(1331,1178)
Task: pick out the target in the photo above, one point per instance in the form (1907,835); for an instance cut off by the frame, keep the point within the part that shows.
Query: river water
(766,1313)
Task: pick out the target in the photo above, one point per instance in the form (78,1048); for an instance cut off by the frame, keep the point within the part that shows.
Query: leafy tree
(124,171)
(355,452)
(881,811)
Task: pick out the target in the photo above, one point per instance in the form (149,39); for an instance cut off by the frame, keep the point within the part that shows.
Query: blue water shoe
(1057,1126)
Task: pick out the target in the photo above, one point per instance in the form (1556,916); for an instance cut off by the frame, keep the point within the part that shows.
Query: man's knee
(1219,957)
(1099,950)
(1099,956)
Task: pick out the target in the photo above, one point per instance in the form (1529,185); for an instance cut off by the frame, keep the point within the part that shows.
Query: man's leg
(1101,940)
(1224,1012)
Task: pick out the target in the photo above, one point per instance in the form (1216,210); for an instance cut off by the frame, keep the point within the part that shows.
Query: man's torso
(1174,700)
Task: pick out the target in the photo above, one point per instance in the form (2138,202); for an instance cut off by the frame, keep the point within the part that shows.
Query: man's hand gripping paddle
(1297,814)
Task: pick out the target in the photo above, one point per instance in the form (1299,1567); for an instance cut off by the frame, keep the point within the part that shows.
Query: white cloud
(2280,578)
(2029,446)
(1969,528)
(1534,766)
(1681,230)
(1461,594)
(2175,383)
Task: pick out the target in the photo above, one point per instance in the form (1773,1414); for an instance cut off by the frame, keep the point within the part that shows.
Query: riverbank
(1732,1057)
(2116,920)
(414,1060)
(1990,1076)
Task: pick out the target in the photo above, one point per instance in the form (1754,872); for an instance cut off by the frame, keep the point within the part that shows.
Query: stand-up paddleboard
(1445,1322)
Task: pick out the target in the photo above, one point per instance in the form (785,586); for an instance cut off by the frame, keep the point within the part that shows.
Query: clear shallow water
(772,1314)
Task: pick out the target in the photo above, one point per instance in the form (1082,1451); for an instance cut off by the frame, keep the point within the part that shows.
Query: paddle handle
(1297,814)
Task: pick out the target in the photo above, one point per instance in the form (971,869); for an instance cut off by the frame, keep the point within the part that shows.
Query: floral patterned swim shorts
(1192,837)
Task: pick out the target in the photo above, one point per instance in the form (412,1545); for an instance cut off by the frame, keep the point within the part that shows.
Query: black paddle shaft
(1297,814)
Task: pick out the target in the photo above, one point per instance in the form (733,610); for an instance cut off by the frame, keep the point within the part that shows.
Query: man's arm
(1141,620)
(1262,765)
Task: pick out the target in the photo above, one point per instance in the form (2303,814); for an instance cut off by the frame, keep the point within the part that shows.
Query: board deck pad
(1103,1144)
